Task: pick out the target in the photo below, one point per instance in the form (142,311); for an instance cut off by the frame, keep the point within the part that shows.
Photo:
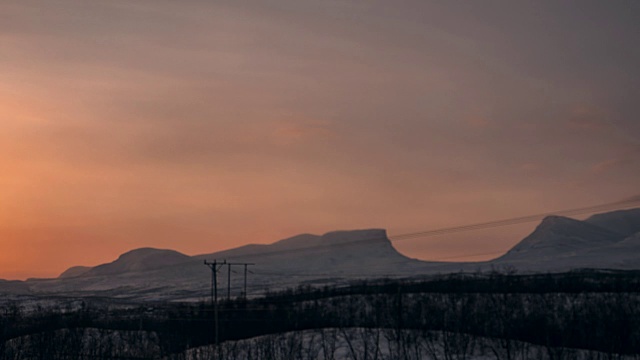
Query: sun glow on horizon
(205,126)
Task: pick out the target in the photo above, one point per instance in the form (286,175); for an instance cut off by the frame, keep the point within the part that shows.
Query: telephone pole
(245,278)
(244,294)
(215,267)
(228,281)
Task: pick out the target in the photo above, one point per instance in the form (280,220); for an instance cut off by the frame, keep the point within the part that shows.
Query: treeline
(594,311)
(498,281)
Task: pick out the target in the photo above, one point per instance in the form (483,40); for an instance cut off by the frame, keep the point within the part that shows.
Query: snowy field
(387,344)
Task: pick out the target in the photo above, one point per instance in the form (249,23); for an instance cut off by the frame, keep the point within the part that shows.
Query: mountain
(74,271)
(333,252)
(624,222)
(608,241)
(561,236)
(562,244)
(142,259)
(155,274)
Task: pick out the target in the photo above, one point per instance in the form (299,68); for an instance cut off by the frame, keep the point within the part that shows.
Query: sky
(205,125)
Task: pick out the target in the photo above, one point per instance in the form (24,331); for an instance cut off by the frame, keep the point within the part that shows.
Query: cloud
(626,156)
(605,166)
(531,167)
(478,122)
(587,118)
(296,132)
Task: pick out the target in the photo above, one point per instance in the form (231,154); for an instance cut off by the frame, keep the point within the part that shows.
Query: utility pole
(244,293)
(245,278)
(215,267)
(229,282)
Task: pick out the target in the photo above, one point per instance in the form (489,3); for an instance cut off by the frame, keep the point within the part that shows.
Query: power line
(246,270)
(516,220)
(467,256)
(407,236)
(215,267)
(478,226)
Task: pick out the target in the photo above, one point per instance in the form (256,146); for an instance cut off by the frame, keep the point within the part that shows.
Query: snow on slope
(306,243)
(632,242)
(331,252)
(155,274)
(558,235)
(624,254)
(562,244)
(624,222)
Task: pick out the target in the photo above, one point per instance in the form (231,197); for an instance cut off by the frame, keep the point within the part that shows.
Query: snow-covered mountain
(138,260)
(338,252)
(560,236)
(623,222)
(560,244)
(610,240)
(166,274)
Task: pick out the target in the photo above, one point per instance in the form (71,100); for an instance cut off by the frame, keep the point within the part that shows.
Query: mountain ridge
(141,259)
(626,222)
(565,234)
(556,244)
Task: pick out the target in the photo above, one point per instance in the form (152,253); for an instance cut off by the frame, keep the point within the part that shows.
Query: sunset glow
(201,126)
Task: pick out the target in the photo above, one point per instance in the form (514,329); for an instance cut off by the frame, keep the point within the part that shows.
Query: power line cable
(343,271)
(478,226)
(517,220)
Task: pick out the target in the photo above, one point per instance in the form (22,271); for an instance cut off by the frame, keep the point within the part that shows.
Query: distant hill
(75,271)
(139,260)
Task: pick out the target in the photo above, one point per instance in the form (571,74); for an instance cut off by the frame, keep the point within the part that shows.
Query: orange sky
(202,126)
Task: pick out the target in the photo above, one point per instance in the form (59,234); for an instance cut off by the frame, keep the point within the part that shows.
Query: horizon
(397,239)
(200,127)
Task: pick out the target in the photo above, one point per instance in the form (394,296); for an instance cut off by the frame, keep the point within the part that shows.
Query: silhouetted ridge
(74,271)
(356,236)
(140,260)
(298,241)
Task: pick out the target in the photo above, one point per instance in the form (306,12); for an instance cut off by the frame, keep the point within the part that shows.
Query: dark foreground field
(587,314)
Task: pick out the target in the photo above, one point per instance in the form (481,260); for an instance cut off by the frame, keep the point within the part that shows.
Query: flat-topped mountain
(308,253)
(361,243)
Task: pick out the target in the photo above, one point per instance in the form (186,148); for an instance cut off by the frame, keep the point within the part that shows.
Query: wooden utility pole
(245,278)
(229,282)
(244,293)
(215,267)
